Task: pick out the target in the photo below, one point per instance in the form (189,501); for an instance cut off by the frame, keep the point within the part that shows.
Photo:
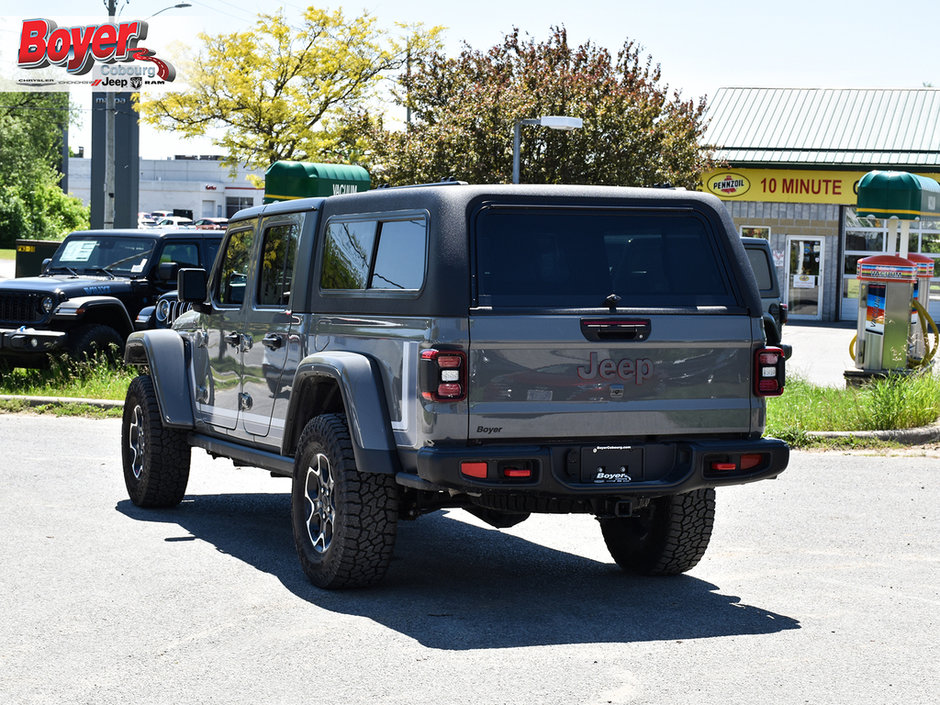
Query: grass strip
(88,379)
(897,402)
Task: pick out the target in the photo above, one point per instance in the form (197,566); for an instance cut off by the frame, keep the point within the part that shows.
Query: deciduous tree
(279,92)
(636,131)
(31,203)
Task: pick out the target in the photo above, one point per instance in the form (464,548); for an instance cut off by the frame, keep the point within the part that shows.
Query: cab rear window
(572,258)
(760,263)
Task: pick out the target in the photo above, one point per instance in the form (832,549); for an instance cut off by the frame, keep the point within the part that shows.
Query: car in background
(775,310)
(211,223)
(174,221)
(92,290)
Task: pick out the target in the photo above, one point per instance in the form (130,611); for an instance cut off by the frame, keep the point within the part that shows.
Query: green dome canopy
(897,194)
(286,180)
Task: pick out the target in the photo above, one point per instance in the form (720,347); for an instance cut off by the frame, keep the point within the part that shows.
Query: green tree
(280,92)
(636,132)
(31,203)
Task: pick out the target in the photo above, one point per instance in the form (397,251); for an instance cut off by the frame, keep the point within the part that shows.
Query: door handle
(272,341)
(233,339)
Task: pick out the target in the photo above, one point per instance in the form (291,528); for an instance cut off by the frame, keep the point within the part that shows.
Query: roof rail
(446,181)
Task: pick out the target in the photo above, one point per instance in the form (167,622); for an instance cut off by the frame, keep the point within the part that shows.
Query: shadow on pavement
(456,586)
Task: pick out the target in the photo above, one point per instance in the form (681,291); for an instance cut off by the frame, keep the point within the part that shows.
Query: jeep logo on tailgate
(636,371)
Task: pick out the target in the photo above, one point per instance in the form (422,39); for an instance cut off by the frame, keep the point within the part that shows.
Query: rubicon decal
(729,185)
(43,43)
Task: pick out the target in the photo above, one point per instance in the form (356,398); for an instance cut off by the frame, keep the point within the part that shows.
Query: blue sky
(700,45)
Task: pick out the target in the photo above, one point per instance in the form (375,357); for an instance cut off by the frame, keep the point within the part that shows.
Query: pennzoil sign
(728,185)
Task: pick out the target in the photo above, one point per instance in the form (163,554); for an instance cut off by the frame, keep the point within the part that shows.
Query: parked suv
(92,289)
(775,310)
(503,349)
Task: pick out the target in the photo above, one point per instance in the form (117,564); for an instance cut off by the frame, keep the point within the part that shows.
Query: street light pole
(177,6)
(554,122)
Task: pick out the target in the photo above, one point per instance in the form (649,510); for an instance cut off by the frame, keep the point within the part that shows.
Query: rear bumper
(603,470)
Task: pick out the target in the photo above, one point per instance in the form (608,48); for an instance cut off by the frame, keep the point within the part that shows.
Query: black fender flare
(75,309)
(360,383)
(164,353)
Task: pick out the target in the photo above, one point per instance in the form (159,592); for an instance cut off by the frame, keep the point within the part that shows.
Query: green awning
(897,194)
(285,180)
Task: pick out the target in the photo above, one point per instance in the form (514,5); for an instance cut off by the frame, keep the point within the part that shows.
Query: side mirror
(167,271)
(45,263)
(192,285)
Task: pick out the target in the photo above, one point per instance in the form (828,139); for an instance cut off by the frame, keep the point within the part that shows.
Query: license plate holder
(611,465)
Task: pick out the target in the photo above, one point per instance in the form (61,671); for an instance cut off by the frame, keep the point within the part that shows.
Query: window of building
(233,204)
(866,237)
(761,231)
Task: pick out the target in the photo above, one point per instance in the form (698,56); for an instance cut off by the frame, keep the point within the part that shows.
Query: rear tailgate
(607,321)
(540,377)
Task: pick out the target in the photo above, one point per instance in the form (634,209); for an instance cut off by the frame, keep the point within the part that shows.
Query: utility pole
(115,163)
(108,220)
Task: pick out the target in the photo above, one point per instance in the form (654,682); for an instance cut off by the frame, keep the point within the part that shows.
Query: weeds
(95,378)
(893,403)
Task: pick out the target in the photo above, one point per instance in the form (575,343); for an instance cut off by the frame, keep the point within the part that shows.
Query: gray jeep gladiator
(502,349)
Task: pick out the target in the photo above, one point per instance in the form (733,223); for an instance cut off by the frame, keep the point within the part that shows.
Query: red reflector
(449,362)
(723,466)
(477,470)
(449,390)
(768,358)
(768,385)
(751,460)
(517,472)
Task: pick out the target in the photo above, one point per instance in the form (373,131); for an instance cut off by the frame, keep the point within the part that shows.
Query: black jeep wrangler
(91,291)
(503,349)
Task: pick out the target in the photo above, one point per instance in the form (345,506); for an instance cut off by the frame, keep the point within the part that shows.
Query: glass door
(804,276)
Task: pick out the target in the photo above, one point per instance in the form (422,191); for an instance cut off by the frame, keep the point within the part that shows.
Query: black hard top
(153,233)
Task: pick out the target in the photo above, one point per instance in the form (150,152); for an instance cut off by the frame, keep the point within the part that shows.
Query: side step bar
(277,464)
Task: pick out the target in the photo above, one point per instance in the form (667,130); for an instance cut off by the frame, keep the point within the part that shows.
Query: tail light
(784,313)
(443,375)
(769,372)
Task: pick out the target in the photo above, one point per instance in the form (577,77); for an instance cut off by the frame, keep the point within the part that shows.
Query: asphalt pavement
(820,587)
(820,351)
(7,268)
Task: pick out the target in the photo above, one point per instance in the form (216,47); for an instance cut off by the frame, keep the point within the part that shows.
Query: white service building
(198,184)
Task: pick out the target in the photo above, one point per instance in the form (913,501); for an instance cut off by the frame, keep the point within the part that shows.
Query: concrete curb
(43,401)
(908,436)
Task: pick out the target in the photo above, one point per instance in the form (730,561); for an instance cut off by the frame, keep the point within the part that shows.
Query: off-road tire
(667,537)
(155,458)
(344,520)
(95,340)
